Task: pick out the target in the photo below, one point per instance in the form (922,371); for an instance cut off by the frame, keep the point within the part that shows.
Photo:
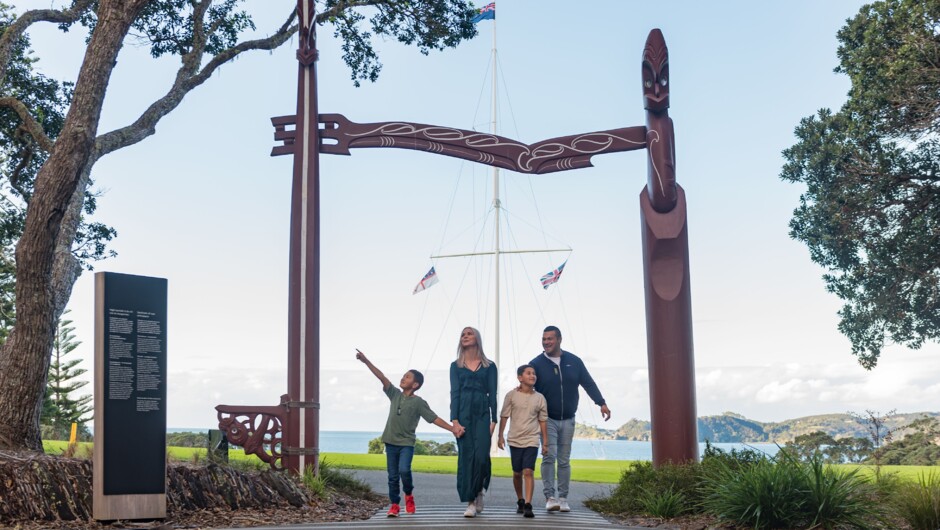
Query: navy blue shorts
(523,458)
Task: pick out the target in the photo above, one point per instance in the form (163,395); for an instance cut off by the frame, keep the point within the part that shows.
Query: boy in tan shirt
(527,411)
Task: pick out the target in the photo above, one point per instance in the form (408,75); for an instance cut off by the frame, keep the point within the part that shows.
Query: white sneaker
(478,502)
(471,511)
(563,504)
(552,505)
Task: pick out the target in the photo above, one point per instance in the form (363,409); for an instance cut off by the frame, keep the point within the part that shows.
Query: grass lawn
(906,473)
(600,471)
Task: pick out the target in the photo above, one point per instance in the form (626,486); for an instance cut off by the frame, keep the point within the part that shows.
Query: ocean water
(358,442)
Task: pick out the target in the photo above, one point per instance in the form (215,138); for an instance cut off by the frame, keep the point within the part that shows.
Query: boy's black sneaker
(521,504)
(527,510)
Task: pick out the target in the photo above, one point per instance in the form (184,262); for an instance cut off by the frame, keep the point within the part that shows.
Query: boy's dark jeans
(398,459)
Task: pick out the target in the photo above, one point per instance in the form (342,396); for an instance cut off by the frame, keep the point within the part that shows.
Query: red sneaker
(394,511)
(409,504)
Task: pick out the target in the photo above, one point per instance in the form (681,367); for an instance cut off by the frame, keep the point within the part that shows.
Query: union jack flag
(429,279)
(553,276)
(487,12)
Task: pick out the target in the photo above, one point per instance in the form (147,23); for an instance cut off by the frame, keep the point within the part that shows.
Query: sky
(202,204)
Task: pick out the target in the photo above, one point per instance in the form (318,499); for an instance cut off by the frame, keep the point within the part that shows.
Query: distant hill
(731,427)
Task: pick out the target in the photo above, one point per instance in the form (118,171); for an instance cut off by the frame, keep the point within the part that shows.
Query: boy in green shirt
(399,434)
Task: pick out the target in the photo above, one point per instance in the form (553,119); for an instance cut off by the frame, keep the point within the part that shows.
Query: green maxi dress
(473,404)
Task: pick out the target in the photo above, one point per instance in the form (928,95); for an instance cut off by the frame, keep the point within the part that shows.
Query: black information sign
(134,384)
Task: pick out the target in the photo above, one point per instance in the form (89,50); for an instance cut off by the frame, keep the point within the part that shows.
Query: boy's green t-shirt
(403,414)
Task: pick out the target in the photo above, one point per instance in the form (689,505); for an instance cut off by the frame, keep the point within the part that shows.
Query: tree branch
(14,178)
(15,30)
(200,36)
(29,123)
(185,81)
(343,6)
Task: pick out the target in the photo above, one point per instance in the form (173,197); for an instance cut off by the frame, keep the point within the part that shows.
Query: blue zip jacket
(560,387)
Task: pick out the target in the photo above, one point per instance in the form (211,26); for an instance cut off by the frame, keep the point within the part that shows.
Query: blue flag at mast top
(487,12)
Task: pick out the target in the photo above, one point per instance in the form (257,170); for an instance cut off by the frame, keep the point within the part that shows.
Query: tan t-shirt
(524,411)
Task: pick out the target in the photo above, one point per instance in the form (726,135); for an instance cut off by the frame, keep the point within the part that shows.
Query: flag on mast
(487,12)
(552,276)
(429,279)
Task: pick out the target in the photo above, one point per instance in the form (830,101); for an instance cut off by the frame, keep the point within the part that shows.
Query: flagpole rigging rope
(453,304)
(512,293)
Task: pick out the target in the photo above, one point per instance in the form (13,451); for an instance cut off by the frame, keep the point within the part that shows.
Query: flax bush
(762,495)
(918,503)
(836,498)
(642,487)
(664,504)
(785,493)
(343,480)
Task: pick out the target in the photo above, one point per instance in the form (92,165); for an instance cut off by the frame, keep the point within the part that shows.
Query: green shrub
(663,504)
(333,479)
(422,447)
(376,447)
(919,503)
(187,439)
(734,459)
(885,483)
(838,498)
(343,480)
(785,493)
(642,484)
(316,484)
(761,495)
(432,448)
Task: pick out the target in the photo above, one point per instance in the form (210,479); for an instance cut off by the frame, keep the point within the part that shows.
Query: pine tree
(59,409)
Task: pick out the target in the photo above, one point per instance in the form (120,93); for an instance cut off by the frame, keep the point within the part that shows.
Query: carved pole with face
(666,273)
(661,173)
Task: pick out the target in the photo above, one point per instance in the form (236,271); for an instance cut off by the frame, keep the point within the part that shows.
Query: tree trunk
(24,358)
(66,268)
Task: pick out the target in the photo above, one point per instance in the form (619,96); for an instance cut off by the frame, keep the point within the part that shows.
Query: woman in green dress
(473,406)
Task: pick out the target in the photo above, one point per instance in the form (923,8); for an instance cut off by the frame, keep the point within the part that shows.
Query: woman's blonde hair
(462,353)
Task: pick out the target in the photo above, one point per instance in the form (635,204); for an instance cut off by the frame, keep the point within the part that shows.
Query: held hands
(458,429)
(605,412)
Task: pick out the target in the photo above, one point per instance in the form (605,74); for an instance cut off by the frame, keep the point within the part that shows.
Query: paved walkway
(492,517)
(439,507)
(435,489)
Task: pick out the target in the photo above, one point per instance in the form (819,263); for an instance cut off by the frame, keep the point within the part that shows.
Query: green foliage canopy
(920,448)
(820,445)
(422,447)
(870,214)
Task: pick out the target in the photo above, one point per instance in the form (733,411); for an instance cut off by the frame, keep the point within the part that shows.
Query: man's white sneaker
(563,505)
(478,502)
(471,511)
(552,505)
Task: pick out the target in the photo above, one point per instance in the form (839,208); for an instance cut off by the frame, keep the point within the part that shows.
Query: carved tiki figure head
(655,73)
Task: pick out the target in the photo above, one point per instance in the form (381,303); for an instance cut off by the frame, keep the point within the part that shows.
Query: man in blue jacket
(559,374)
